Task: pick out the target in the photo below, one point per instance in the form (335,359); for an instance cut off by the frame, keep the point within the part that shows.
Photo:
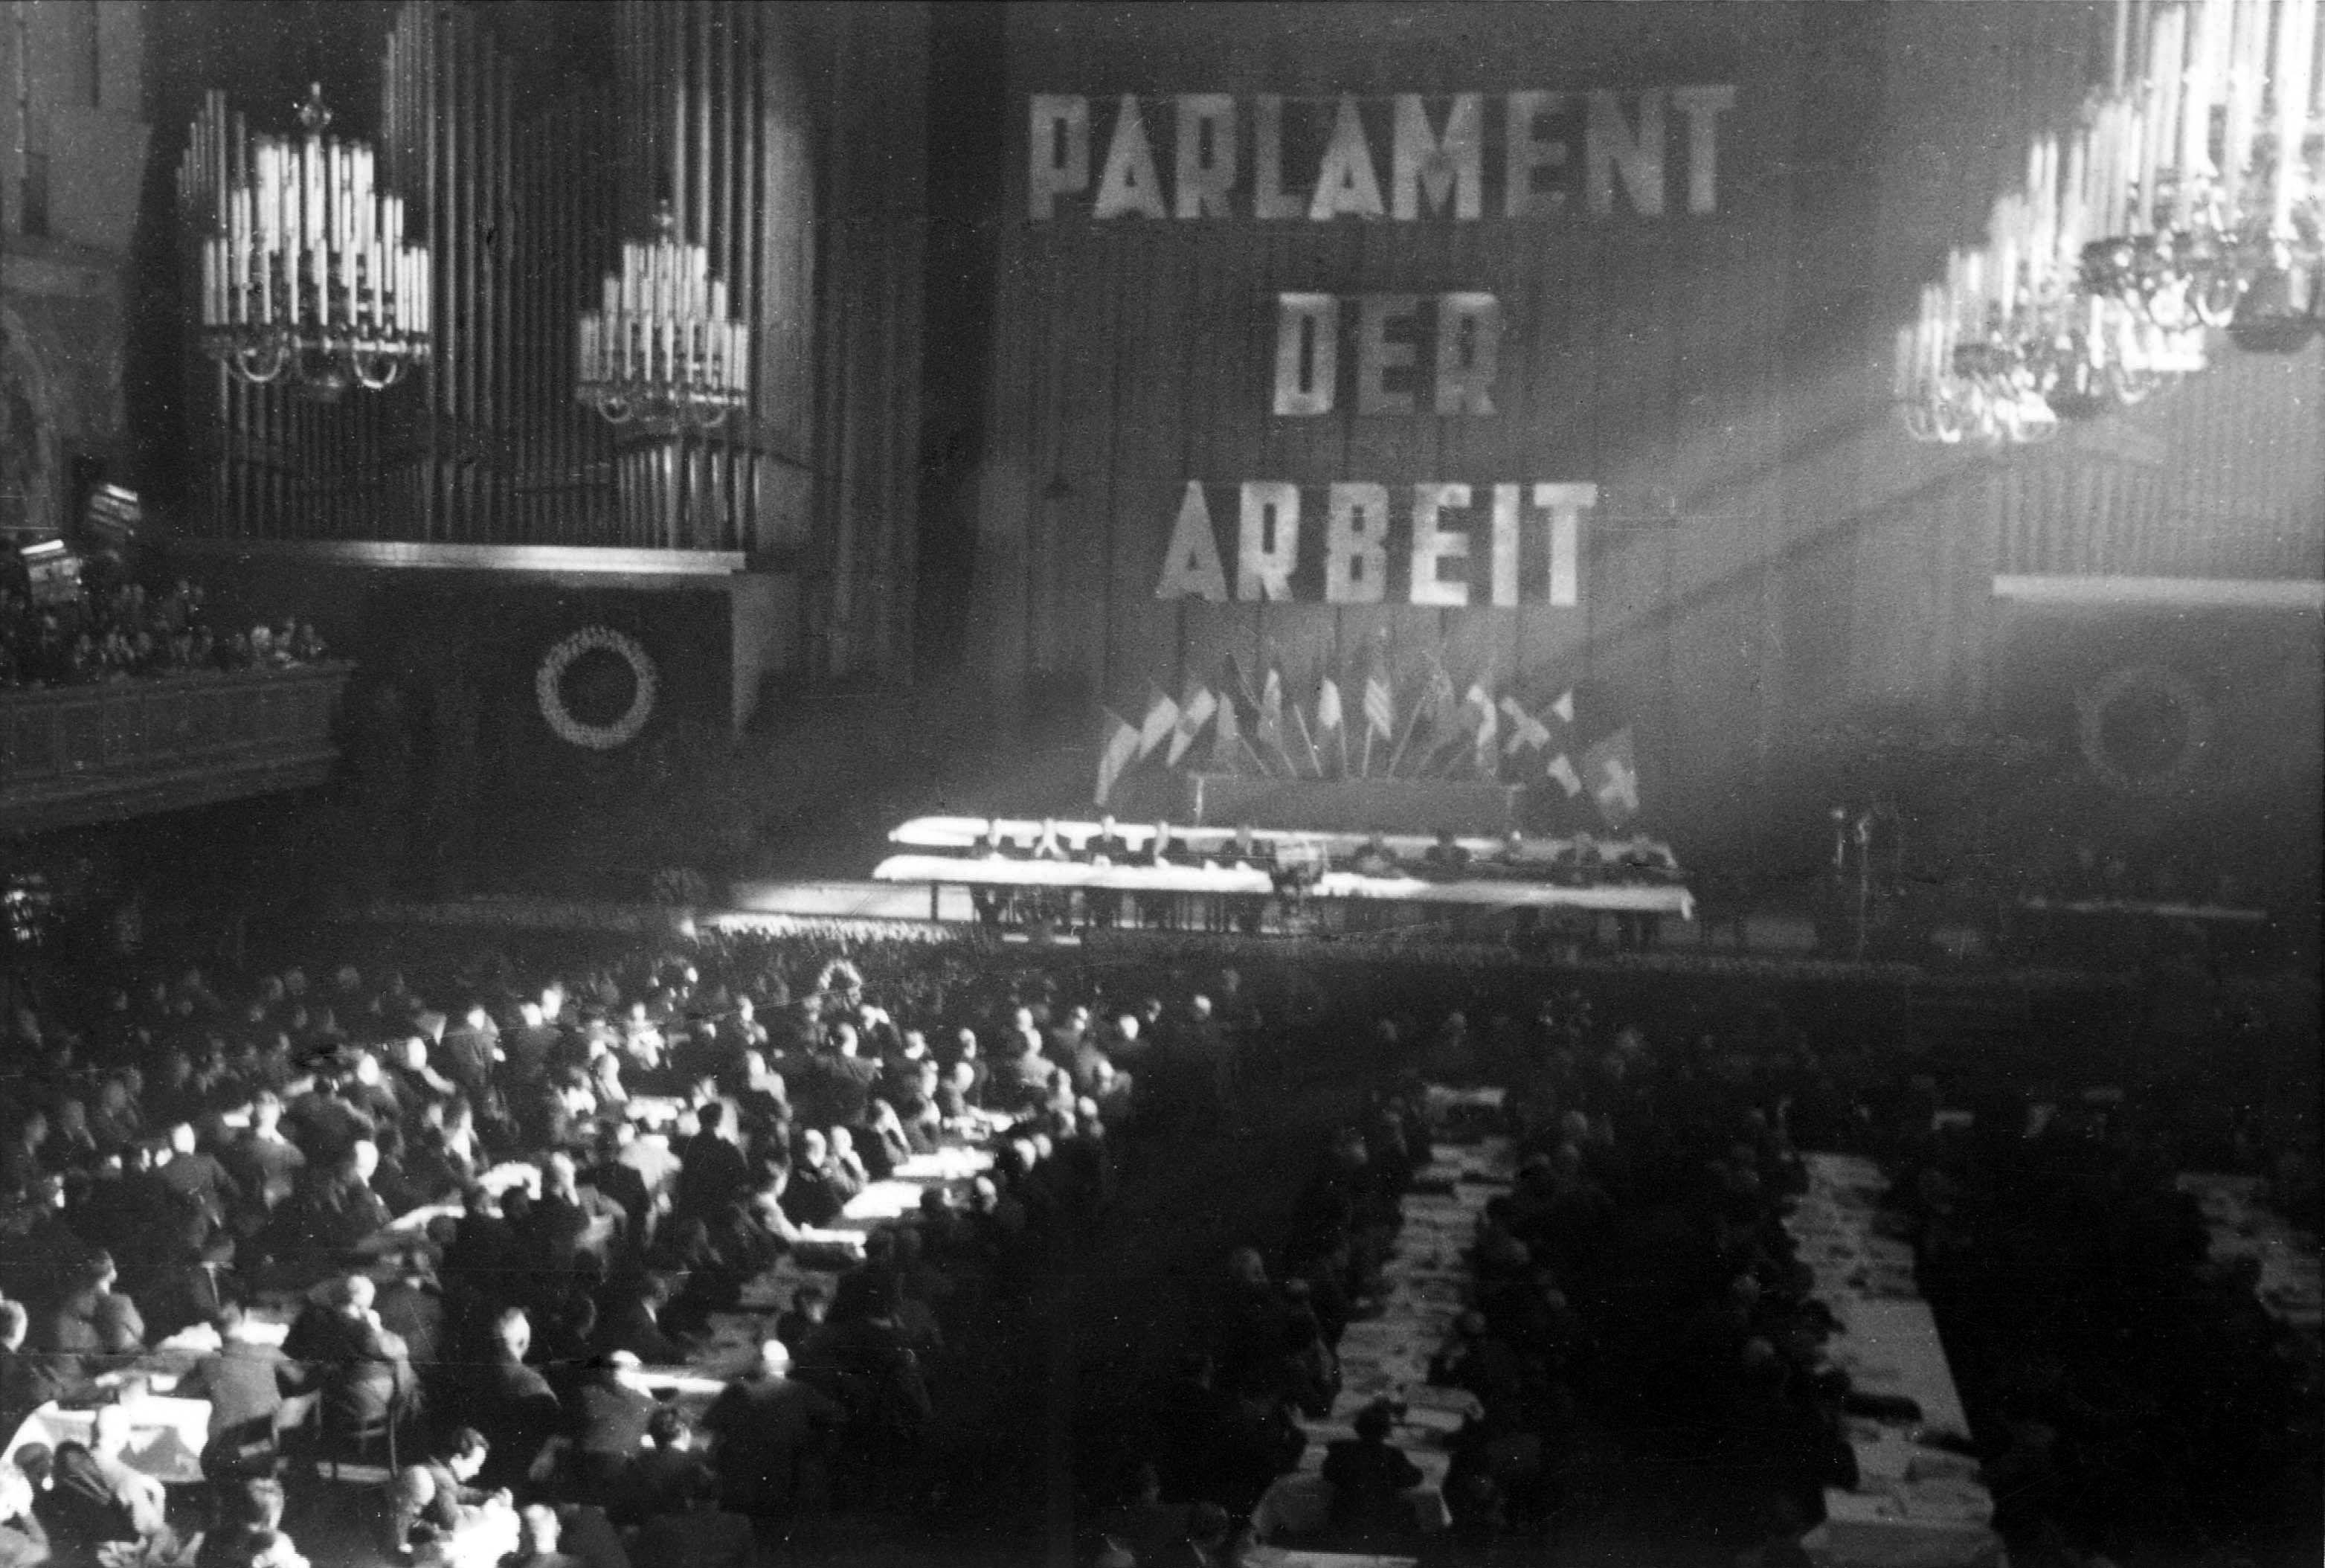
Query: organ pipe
(523,215)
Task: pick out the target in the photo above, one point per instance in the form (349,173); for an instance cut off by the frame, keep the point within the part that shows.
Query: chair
(339,1443)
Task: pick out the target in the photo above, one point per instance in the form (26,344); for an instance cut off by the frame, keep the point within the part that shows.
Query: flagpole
(1412,722)
(1315,758)
(1243,679)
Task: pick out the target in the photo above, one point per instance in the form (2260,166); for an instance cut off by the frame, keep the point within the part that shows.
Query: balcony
(96,753)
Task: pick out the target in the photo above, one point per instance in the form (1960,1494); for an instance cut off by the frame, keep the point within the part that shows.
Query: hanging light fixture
(307,275)
(2187,200)
(663,350)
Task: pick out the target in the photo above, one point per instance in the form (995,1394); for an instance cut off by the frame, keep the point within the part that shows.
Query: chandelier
(2185,202)
(663,350)
(307,275)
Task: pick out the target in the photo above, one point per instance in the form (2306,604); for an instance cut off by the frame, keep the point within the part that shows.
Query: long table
(1026,833)
(1212,880)
(166,1435)
(1916,1504)
(1424,1287)
(734,1344)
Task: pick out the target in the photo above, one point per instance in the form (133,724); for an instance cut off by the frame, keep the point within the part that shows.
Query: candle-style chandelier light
(307,275)
(663,350)
(2189,200)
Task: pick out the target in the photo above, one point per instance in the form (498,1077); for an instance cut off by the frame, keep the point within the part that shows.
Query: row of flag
(1444,734)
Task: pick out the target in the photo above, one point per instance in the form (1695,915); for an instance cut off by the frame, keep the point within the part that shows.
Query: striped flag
(1193,714)
(1161,717)
(1380,704)
(1116,753)
(1440,713)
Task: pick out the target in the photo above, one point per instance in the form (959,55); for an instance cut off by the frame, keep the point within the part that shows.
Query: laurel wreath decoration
(840,978)
(549,687)
(2153,683)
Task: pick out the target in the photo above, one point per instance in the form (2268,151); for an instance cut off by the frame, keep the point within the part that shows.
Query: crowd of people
(444,1228)
(1645,1348)
(114,630)
(193,1153)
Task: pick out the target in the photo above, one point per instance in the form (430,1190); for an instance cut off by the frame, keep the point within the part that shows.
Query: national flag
(1488,723)
(1611,769)
(1440,711)
(1161,717)
(1565,708)
(1562,769)
(1116,753)
(1331,720)
(1271,710)
(1440,706)
(1380,704)
(1193,714)
(1527,733)
(1328,706)
(1226,737)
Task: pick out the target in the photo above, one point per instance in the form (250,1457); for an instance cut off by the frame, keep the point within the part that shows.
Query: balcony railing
(87,753)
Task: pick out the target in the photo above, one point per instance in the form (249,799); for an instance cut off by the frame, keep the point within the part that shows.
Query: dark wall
(1644,354)
(1769,554)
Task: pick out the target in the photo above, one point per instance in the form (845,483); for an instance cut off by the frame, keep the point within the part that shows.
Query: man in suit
(620,1184)
(609,1421)
(431,1500)
(511,1403)
(770,1429)
(470,1048)
(712,1173)
(358,1366)
(1369,1476)
(244,1380)
(265,1163)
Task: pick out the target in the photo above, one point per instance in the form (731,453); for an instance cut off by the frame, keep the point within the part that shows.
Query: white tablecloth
(953,1162)
(1422,1285)
(166,1435)
(485,1535)
(880,1201)
(1914,1505)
